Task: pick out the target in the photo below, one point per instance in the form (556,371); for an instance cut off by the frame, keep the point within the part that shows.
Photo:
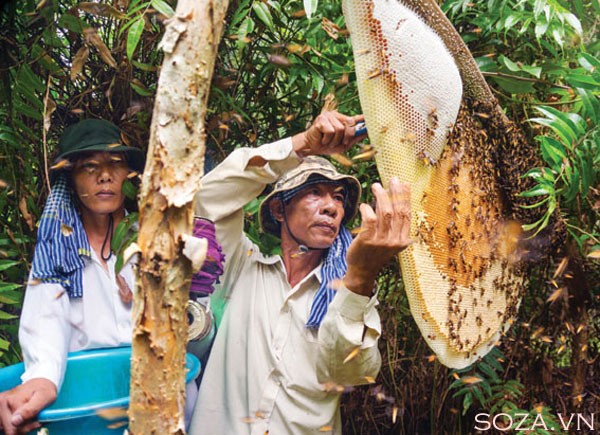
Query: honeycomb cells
(390,43)
(411,92)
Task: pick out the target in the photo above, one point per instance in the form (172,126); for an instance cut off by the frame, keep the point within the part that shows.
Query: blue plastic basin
(95,379)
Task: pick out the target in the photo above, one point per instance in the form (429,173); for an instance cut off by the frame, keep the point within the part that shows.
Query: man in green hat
(74,299)
(299,327)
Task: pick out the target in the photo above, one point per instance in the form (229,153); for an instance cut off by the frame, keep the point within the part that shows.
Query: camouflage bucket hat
(310,166)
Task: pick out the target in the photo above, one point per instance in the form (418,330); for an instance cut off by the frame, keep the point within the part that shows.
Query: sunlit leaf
(310,6)
(163,7)
(133,36)
(262,12)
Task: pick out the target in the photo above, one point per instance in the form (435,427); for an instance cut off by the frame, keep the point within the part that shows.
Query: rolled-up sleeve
(348,338)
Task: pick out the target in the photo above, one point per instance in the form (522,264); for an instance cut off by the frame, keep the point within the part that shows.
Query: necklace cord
(108,238)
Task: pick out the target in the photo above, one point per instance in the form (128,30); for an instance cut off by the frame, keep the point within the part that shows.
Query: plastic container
(95,380)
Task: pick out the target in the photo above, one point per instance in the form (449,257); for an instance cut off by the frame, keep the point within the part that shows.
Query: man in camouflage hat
(300,326)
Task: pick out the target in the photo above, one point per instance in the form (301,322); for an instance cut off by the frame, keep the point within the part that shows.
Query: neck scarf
(334,267)
(61,242)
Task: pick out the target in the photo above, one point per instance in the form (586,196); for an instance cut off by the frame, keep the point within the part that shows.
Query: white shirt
(52,324)
(267,371)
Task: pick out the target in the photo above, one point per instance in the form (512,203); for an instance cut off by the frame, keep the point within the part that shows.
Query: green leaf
(72,23)
(133,36)
(591,105)
(8,286)
(541,26)
(512,66)
(583,81)
(6,316)
(572,120)
(535,71)
(467,402)
(479,395)
(587,174)
(537,191)
(262,12)
(4,345)
(9,299)
(510,21)
(310,6)
(514,85)
(553,152)
(574,22)
(120,260)
(163,7)
(560,127)
(129,190)
(486,387)
(239,14)
(144,66)
(488,370)
(572,181)
(536,205)
(126,224)
(246,28)
(589,62)
(7,264)
(140,90)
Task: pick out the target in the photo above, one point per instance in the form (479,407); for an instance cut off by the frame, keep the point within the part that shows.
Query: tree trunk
(170,181)
(579,301)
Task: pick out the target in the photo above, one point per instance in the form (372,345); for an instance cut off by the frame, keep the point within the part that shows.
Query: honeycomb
(459,274)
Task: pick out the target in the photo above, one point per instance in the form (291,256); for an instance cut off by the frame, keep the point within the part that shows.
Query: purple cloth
(212,269)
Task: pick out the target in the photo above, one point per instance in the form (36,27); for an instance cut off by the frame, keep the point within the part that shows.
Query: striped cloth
(334,267)
(61,241)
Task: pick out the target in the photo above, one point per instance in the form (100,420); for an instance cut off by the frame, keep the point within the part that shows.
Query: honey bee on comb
(435,124)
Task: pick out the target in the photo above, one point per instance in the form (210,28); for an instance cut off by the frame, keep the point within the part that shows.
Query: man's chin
(322,242)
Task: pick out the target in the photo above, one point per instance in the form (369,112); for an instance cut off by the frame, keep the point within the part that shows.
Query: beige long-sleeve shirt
(268,372)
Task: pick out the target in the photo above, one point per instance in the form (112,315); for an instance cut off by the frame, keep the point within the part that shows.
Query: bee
(425,158)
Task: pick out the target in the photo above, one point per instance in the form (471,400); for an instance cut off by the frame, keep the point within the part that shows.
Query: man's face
(98,179)
(315,214)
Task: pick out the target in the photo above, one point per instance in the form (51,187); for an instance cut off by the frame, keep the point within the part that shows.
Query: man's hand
(20,406)
(330,133)
(383,234)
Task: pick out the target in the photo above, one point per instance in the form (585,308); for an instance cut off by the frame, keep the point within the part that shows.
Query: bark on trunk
(579,301)
(170,181)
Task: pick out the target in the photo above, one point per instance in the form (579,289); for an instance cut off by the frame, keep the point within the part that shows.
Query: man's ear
(276,208)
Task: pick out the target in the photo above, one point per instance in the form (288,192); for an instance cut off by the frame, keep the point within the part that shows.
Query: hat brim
(271,226)
(135,157)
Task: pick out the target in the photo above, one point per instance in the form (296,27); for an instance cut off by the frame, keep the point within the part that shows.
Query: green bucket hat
(310,166)
(92,135)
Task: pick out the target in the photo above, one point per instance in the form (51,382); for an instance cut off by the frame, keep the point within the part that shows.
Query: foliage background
(63,60)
